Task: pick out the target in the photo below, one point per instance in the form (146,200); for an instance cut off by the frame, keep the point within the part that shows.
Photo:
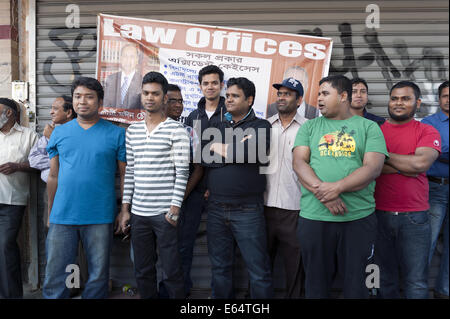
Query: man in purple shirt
(61,112)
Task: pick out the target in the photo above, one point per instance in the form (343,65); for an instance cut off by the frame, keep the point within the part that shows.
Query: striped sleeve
(180,153)
(128,187)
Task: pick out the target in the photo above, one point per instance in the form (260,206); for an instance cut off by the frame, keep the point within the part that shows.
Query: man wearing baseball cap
(282,196)
(291,84)
(306,110)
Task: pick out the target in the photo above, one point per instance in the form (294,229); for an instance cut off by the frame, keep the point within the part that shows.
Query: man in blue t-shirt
(438,191)
(85,154)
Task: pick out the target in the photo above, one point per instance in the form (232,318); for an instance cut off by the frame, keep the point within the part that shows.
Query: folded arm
(418,163)
(309,179)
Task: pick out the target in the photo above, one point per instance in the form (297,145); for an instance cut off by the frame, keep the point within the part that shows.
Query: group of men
(332,193)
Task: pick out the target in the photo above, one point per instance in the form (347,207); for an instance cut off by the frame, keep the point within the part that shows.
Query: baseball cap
(290,83)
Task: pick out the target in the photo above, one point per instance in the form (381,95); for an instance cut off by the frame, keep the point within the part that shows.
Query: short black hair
(156,77)
(11,104)
(91,84)
(210,69)
(360,80)
(68,104)
(173,87)
(245,85)
(403,84)
(442,86)
(341,83)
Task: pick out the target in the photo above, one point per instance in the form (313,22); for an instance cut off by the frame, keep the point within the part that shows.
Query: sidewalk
(116,293)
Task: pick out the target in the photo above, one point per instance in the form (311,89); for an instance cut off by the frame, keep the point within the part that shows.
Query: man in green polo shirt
(337,157)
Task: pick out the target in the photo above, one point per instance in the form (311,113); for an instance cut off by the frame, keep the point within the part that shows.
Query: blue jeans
(401,251)
(190,216)
(62,246)
(438,217)
(244,223)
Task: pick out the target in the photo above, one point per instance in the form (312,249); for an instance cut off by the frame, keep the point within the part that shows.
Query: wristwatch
(172,216)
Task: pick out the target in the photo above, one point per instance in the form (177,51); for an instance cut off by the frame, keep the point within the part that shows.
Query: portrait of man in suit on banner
(123,88)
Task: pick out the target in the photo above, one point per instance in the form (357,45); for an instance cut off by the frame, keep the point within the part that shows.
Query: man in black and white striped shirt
(155,181)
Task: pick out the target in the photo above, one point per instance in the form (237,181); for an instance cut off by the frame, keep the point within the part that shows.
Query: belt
(398,213)
(393,213)
(439,180)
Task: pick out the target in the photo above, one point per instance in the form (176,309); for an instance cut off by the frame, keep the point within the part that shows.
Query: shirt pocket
(15,154)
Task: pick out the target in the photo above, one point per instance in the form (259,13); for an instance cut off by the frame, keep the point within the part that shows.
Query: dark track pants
(332,247)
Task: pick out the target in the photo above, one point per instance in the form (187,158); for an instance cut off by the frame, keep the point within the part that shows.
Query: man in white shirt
(282,196)
(15,144)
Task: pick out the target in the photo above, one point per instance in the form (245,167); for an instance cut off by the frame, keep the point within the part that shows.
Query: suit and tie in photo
(123,88)
(122,91)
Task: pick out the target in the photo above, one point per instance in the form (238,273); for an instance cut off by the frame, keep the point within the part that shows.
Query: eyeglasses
(173,101)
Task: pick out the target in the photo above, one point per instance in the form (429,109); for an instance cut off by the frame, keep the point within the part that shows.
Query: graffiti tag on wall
(431,61)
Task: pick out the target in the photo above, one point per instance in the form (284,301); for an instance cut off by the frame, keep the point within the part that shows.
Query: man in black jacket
(239,149)
(210,109)
(360,100)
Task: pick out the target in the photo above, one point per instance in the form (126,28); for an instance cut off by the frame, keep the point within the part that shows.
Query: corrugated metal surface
(412,43)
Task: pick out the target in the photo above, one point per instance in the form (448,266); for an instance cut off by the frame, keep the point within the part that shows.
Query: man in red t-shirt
(401,197)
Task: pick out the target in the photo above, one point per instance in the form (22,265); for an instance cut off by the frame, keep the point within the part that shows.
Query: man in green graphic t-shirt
(337,158)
